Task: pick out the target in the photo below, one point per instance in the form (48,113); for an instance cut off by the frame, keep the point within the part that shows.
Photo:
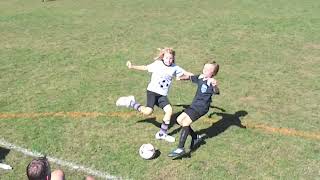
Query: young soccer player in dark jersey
(207,87)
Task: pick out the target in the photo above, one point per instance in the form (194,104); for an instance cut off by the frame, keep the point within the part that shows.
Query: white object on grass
(125,101)
(5,166)
(147,151)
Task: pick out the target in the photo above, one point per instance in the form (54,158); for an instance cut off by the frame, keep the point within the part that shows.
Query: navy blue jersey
(202,99)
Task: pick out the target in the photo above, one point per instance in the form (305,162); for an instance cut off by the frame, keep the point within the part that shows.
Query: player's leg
(145,110)
(184,121)
(166,119)
(162,134)
(164,103)
(167,114)
(190,116)
(130,102)
(151,101)
(196,139)
(125,101)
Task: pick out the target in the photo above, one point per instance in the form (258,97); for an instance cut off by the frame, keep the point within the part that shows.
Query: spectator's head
(39,169)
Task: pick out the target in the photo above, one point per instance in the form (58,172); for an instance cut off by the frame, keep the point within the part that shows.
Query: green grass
(69,56)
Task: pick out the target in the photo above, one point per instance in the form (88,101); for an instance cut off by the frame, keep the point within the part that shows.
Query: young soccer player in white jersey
(163,70)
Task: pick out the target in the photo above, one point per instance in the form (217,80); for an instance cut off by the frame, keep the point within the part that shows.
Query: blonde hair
(162,51)
(216,67)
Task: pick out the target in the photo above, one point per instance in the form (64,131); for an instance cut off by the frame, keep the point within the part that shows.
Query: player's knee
(180,120)
(168,109)
(186,123)
(147,111)
(57,175)
(184,120)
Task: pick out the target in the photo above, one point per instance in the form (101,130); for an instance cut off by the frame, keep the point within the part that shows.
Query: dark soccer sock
(135,105)
(183,136)
(164,128)
(192,133)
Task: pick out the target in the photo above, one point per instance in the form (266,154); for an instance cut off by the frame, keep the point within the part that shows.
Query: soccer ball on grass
(147,151)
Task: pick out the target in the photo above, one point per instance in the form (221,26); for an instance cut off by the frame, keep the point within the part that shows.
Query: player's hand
(129,65)
(188,73)
(214,84)
(213,81)
(183,77)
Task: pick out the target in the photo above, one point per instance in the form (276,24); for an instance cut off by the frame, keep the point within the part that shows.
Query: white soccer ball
(147,151)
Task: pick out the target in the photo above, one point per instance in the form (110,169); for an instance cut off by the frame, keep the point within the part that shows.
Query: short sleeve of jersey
(179,71)
(153,66)
(194,79)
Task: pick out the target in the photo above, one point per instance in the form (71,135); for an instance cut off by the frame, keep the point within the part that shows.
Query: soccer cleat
(179,152)
(125,101)
(165,137)
(195,142)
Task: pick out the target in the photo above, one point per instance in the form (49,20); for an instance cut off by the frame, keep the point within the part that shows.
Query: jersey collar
(167,65)
(205,79)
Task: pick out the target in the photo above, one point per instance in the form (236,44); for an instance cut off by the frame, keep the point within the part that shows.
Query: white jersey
(162,75)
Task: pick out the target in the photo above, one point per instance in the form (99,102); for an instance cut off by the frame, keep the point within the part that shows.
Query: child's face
(167,59)
(208,70)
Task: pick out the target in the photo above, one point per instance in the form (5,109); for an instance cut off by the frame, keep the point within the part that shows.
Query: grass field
(69,56)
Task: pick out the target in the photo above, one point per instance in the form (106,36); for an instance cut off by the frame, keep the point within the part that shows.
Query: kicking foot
(196,142)
(179,152)
(125,101)
(166,137)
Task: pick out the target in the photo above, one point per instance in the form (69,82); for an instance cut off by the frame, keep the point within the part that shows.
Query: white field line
(60,162)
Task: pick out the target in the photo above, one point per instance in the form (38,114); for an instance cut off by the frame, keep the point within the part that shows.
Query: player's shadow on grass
(223,124)
(156,123)
(3,153)
(173,119)
(217,128)
(227,120)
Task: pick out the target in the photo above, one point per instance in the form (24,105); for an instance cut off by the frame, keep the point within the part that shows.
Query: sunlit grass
(69,56)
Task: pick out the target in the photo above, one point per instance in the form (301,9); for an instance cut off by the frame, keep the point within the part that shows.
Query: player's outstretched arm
(183,77)
(131,66)
(186,76)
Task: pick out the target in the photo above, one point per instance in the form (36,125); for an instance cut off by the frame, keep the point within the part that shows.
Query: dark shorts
(156,99)
(194,114)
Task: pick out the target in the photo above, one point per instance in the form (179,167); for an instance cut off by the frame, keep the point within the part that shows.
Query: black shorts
(156,99)
(194,114)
